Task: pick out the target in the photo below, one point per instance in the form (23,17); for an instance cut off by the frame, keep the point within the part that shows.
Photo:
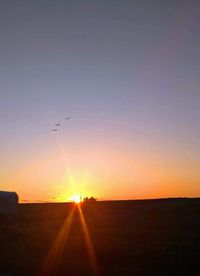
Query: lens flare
(53,260)
(88,242)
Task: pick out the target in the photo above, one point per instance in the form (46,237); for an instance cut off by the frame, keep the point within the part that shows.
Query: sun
(76,198)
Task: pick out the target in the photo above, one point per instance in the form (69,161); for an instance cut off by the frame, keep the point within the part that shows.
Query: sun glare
(76,198)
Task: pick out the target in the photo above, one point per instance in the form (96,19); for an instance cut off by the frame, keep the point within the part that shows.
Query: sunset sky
(128,74)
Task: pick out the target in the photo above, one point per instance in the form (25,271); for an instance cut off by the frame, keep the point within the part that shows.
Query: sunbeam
(53,260)
(88,242)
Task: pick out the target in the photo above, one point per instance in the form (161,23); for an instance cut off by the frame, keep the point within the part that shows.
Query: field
(144,237)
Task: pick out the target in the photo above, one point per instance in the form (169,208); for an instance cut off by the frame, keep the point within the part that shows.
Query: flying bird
(57,125)
(67,118)
(54,129)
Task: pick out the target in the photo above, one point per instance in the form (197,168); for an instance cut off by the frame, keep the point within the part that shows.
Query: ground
(147,237)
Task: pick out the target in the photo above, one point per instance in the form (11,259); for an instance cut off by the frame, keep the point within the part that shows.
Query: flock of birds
(59,124)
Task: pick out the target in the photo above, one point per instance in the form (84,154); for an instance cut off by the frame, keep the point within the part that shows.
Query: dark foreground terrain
(150,237)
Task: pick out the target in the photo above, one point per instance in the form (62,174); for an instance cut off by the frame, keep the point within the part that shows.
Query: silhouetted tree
(89,199)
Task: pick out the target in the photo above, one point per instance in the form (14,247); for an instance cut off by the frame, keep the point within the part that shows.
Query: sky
(126,72)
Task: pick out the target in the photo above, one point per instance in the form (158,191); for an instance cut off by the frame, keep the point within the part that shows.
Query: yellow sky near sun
(102,173)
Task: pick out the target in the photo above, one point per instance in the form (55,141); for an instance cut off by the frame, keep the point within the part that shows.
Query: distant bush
(89,199)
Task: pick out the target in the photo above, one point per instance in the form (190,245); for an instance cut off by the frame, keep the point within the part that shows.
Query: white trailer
(8,203)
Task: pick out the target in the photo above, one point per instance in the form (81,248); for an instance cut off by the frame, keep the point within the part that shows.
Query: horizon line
(106,200)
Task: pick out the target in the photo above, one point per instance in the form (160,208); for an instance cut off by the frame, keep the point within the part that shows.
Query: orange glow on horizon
(103,173)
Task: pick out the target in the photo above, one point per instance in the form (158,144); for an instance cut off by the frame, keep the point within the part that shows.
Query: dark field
(150,237)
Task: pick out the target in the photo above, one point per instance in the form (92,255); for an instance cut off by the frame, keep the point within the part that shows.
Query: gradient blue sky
(128,74)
